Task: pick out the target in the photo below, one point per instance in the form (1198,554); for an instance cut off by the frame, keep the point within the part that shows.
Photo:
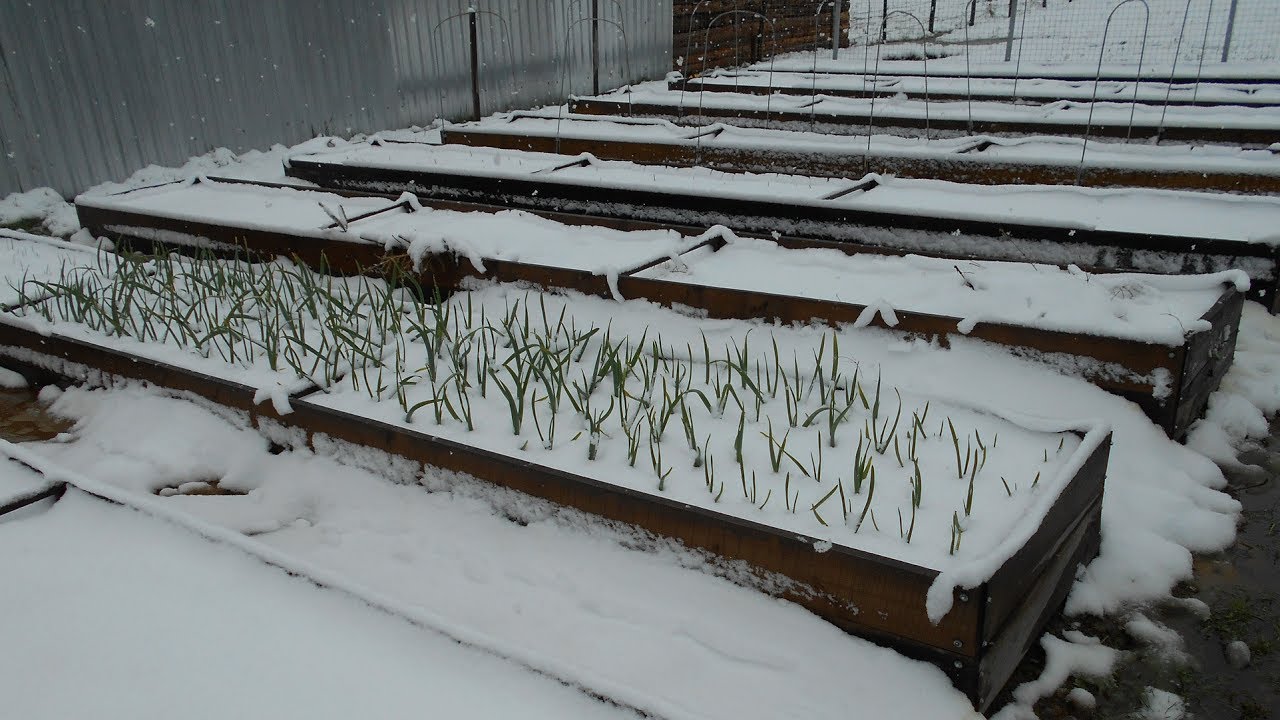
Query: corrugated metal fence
(92,90)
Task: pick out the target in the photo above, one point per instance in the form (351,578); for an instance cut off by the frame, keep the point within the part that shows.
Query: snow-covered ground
(111,613)
(1069,33)
(424,593)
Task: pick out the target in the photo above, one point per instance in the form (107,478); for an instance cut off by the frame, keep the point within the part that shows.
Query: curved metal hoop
(506,36)
(568,64)
(706,49)
(871,113)
(1102,51)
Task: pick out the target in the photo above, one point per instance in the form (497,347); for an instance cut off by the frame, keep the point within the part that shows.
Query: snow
(144,620)
(516,576)
(405,226)
(10,380)
(248,205)
(1117,305)
(1030,150)
(1082,699)
(557,590)
(1027,88)
(1073,655)
(1162,705)
(1164,641)
(885,111)
(32,258)
(1177,213)
(1165,508)
(41,206)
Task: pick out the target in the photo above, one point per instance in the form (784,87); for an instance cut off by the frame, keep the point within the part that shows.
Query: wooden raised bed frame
(977,644)
(726,85)
(839,161)
(857,123)
(1195,368)
(829,224)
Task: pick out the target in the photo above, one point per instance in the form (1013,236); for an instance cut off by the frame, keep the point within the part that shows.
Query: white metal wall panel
(91,90)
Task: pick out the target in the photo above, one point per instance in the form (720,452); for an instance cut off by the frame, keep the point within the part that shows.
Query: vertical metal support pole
(1231,26)
(475,63)
(595,48)
(1013,16)
(837,10)
(884,22)
(933,12)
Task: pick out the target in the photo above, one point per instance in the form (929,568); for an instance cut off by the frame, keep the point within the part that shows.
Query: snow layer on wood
(495,163)
(246,205)
(887,109)
(1028,88)
(697,463)
(149,597)
(1029,149)
(1190,214)
(518,236)
(508,235)
(1140,307)
(558,588)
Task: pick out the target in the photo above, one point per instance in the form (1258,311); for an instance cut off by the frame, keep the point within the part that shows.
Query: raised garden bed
(944,88)
(996,513)
(798,208)
(987,161)
(1259,128)
(1163,342)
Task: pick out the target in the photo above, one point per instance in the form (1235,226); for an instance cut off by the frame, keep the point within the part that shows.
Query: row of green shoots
(809,431)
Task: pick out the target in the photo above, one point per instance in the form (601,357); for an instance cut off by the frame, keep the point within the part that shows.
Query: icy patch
(1162,705)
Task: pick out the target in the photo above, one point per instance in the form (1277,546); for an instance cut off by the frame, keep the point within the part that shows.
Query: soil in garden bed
(1241,586)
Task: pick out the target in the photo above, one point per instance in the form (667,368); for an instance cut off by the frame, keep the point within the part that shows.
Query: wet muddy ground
(1241,586)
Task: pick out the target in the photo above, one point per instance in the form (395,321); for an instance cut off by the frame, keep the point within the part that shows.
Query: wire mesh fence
(1159,33)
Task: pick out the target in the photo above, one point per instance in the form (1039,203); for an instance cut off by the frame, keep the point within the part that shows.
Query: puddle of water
(23,418)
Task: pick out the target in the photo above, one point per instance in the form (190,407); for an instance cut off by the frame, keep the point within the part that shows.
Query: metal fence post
(1013,16)
(475,64)
(837,9)
(595,48)
(1231,26)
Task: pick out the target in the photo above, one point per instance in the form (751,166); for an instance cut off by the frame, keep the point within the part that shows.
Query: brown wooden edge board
(862,593)
(14,503)
(840,161)
(857,123)
(1183,364)
(726,85)
(831,223)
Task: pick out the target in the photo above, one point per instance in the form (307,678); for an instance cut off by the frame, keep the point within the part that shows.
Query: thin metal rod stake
(595,47)
(1231,26)
(475,64)
(1013,18)
(1102,50)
